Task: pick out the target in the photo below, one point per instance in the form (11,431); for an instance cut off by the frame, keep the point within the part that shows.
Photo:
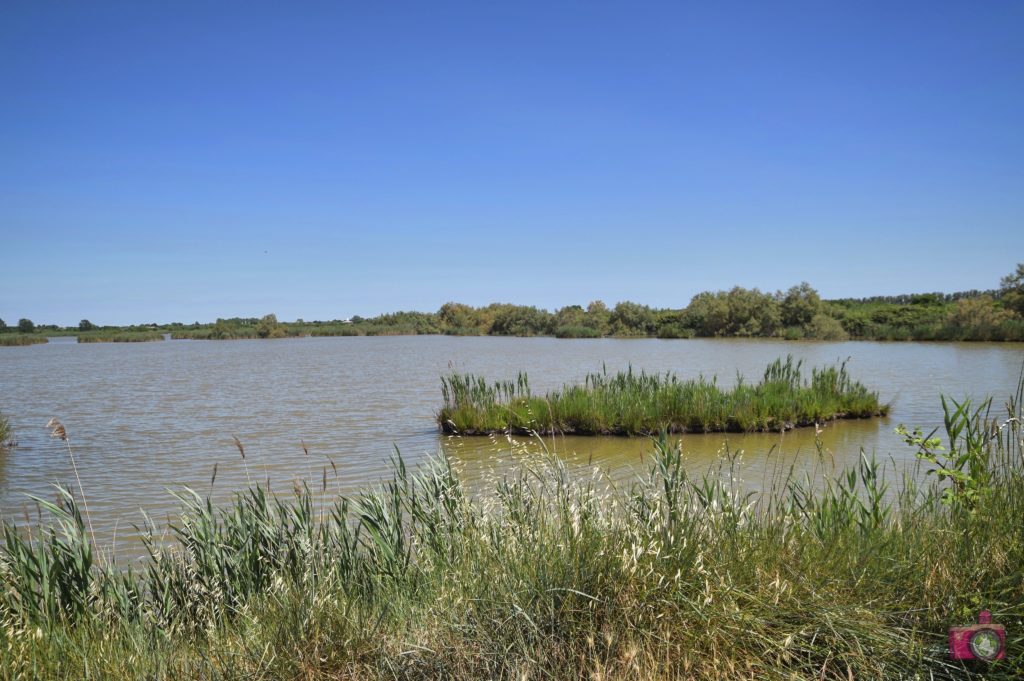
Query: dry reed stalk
(58,430)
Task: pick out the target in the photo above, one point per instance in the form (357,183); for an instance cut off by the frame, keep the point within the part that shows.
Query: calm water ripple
(147,417)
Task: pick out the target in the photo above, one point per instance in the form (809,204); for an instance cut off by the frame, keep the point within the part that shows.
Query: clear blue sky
(174,161)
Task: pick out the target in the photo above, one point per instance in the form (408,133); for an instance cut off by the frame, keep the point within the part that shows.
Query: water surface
(147,417)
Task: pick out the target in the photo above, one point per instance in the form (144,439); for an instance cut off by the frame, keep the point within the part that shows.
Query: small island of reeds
(631,403)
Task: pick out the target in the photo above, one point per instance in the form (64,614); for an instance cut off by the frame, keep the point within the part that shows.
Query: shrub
(823,327)
(576,332)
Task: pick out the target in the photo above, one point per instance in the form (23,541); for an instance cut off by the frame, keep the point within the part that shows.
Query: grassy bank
(629,403)
(672,577)
(120,337)
(16,339)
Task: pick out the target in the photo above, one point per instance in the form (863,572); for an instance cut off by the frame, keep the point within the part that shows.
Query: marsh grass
(630,403)
(224,332)
(19,339)
(6,435)
(672,576)
(120,336)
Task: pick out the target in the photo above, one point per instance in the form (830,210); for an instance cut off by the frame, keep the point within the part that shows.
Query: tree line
(797,313)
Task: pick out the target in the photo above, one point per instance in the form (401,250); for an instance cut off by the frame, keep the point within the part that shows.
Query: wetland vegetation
(120,336)
(6,436)
(630,403)
(671,576)
(12,339)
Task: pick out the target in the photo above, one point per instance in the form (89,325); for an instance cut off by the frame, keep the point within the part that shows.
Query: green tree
(597,316)
(1012,290)
(269,327)
(977,318)
(521,320)
(752,313)
(631,319)
(481,319)
(3,325)
(672,324)
(86,325)
(823,327)
(799,305)
(737,312)
(26,326)
(222,330)
(456,317)
(708,313)
(570,315)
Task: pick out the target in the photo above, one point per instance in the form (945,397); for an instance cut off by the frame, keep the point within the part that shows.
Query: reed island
(630,403)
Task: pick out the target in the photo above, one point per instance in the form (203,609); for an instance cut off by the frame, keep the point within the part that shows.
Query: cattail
(323,486)
(238,443)
(213,478)
(303,443)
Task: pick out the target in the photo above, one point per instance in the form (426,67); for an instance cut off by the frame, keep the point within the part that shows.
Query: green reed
(5,431)
(19,339)
(120,336)
(673,576)
(631,403)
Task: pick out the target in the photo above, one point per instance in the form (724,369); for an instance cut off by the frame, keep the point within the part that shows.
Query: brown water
(147,417)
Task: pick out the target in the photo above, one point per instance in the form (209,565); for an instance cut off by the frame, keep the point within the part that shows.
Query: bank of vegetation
(630,403)
(120,337)
(12,339)
(671,576)
(795,314)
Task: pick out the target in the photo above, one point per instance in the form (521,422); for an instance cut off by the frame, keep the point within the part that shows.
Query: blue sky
(180,162)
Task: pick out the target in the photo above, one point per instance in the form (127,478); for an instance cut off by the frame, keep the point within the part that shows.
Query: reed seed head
(57,429)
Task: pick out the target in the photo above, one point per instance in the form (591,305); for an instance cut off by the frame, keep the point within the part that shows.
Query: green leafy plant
(964,462)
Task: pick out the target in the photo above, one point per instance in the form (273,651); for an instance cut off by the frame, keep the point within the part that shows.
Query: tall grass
(673,576)
(5,431)
(18,339)
(630,403)
(120,336)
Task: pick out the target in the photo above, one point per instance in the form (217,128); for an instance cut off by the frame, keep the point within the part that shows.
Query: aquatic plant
(631,403)
(109,336)
(5,431)
(549,576)
(11,339)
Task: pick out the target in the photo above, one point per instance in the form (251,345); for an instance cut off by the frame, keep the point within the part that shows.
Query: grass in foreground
(672,577)
(628,403)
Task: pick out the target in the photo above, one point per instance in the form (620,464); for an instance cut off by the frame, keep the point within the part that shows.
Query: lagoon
(151,417)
